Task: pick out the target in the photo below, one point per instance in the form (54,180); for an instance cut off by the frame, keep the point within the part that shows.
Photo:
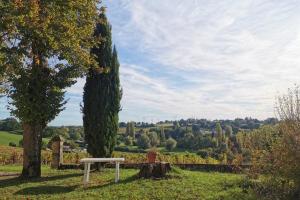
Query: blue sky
(203,59)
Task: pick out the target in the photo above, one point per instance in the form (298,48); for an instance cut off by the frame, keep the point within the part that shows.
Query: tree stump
(154,170)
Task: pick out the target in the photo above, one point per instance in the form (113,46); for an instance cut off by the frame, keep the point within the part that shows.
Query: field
(7,137)
(67,184)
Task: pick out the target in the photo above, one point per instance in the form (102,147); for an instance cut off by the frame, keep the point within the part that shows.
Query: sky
(198,59)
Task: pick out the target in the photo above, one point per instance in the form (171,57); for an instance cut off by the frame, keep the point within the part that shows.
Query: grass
(67,185)
(7,137)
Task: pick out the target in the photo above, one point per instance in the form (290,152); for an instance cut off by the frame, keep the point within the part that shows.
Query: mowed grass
(7,137)
(67,184)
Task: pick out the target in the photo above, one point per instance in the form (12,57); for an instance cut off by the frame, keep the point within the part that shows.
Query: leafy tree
(283,156)
(228,131)
(127,132)
(75,135)
(171,144)
(219,131)
(63,131)
(102,94)
(204,153)
(195,128)
(31,33)
(128,141)
(9,124)
(162,136)
(187,142)
(176,125)
(144,141)
(154,140)
(130,129)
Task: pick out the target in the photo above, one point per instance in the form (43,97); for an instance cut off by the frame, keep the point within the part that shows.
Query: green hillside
(7,137)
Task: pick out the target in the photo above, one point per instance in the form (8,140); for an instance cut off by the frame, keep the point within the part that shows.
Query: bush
(21,143)
(126,149)
(144,142)
(170,144)
(12,144)
(44,145)
(204,153)
(154,141)
(274,188)
(128,141)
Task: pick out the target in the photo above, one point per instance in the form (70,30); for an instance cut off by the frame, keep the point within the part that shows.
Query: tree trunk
(32,140)
(154,170)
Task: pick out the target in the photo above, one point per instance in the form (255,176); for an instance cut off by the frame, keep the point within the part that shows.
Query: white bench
(87,166)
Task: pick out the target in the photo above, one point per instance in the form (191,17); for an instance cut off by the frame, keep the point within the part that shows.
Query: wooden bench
(87,166)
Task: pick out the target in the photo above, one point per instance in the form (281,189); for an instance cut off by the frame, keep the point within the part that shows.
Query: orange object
(151,156)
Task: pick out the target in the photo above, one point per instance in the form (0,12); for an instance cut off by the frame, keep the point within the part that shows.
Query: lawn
(7,137)
(67,185)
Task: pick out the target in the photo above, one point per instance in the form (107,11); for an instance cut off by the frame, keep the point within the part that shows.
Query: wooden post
(57,152)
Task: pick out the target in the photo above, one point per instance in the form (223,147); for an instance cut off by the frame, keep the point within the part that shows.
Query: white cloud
(196,58)
(237,55)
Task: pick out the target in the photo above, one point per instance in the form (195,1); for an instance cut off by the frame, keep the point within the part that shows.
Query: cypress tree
(219,131)
(102,95)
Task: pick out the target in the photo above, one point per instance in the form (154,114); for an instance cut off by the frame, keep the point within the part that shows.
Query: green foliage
(176,125)
(102,95)
(171,144)
(12,144)
(228,131)
(128,141)
(130,129)
(144,141)
(57,30)
(205,153)
(154,140)
(9,124)
(162,136)
(220,133)
(75,135)
(21,143)
(279,160)
(32,33)
(67,132)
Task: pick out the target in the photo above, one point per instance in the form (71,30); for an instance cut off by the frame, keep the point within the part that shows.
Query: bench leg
(86,177)
(117,172)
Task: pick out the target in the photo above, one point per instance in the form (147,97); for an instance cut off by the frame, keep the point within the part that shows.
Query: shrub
(170,144)
(279,161)
(12,144)
(204,153)
(44,145)
(154,141)
(144,142)
(128,141)
(21,143)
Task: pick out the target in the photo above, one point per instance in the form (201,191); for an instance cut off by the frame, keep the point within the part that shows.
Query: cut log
(154,170)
